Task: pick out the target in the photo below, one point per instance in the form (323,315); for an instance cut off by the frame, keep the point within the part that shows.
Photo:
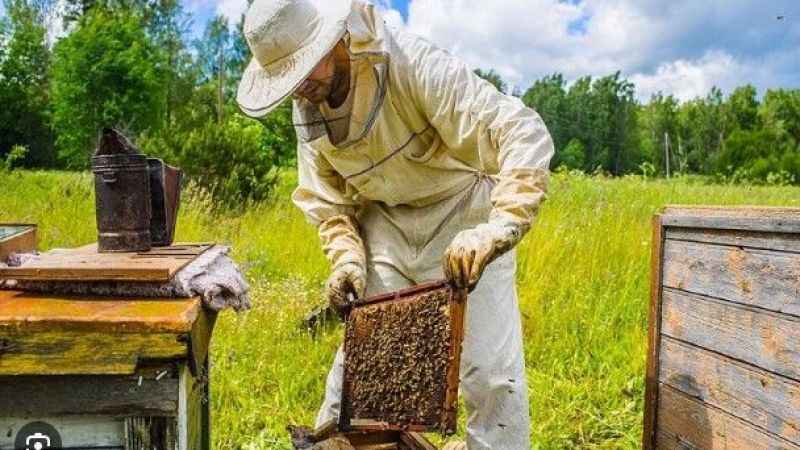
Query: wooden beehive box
(105,373)
(16,238)
(402,354)
(723,368)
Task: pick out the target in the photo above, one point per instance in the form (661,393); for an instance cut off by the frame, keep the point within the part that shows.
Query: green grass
(583,285)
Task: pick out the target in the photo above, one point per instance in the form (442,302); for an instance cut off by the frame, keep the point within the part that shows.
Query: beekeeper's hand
(473,249)
(349,278)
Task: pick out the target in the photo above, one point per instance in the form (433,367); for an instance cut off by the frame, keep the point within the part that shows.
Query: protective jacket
(433,149)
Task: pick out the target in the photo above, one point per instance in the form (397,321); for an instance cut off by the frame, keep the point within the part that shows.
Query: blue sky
(680,47)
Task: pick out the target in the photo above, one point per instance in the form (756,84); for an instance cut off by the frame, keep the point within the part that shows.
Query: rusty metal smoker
(136,197)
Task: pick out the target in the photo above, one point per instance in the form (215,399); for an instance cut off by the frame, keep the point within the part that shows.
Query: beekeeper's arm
(511,141)
(327,202)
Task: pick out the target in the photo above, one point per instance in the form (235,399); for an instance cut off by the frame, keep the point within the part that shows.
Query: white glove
(349,278)
(472,250)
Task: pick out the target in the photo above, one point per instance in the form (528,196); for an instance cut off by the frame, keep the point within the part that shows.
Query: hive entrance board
(402,354)
(159,264)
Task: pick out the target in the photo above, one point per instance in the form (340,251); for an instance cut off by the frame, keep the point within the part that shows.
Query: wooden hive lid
(157,265)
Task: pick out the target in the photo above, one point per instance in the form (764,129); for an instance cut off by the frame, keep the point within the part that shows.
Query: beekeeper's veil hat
(288,38)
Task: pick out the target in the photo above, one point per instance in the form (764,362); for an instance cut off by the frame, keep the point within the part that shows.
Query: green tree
(660,129)
(105,73)
(548,97)
(574,155)
(702,130)
(742,106)
(755,155)
(780,110)
(24,83)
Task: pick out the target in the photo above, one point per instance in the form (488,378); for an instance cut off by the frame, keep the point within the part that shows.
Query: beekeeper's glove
(348,278)
(472,250)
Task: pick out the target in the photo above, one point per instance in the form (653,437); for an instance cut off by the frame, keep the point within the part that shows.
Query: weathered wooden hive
(724,362)
(110,372)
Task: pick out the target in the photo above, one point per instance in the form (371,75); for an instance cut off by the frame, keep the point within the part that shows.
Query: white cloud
(232,9)
(681,47)
(689,79)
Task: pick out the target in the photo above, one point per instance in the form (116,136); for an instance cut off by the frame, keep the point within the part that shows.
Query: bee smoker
(136,198)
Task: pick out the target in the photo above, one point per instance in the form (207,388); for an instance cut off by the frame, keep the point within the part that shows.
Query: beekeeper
(413,168)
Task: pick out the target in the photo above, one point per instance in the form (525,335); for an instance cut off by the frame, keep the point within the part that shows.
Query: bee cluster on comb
(402,353)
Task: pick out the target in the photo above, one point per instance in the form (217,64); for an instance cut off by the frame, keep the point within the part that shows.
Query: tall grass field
(582,279)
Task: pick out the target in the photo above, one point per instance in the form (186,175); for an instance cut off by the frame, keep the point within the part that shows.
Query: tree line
(133,64)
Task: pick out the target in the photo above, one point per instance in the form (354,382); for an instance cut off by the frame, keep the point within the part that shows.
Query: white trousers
(404,247)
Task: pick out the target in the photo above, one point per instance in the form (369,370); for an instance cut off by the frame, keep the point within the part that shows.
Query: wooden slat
(749,218)
(768,340)
(782,242)
(86,264)
(41,312)
(654,335)
(758,397)
(80,352)
(28,396)
(763,278)
(685,423)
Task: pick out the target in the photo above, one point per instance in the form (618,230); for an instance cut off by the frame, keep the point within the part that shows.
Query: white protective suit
(433,150)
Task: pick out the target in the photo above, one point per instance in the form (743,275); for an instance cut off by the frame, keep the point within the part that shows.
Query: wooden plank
(27,396)
(686,423)
(42,312)
(458,306)
(782,242)
(750,218)
(768,340)
(86,264)
(77,432)
(654,334)
(761,398)
(762,278)
(79,352)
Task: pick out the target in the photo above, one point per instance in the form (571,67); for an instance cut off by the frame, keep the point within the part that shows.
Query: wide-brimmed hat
(288,38)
